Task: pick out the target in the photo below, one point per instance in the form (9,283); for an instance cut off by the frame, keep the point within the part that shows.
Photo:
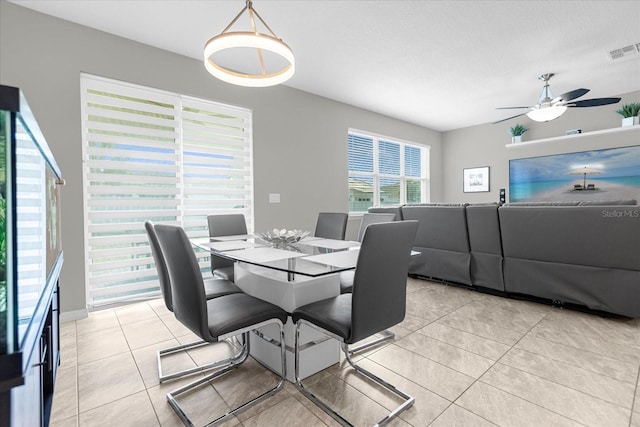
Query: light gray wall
(300,148)
(484,145)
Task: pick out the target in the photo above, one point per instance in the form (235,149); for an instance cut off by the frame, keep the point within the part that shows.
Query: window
(384,171)
(159,156)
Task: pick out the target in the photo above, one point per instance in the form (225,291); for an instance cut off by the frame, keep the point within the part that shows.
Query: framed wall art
(607,174)
(476,179)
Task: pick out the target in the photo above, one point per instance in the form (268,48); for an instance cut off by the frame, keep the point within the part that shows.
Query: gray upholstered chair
(212,287)
(331,225)
(225,225)
(373,218)
(216,319)
(378,302)
(346,277)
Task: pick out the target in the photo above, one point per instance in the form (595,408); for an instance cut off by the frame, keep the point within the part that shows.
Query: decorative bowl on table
(282,237)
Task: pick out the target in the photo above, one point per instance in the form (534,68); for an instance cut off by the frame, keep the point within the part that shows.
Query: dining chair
(216,319)
(213,288)
(331,225)
(225,225)
(373,218)
(346,277)
(377,302)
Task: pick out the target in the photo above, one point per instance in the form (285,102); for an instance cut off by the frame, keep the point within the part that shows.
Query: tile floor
(470,359)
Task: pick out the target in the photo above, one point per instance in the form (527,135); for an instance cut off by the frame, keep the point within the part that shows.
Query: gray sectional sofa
(571,253)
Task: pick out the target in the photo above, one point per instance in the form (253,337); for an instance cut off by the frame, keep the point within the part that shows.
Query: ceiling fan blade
(509,118)
(595,102)
(577,93)
(510,108)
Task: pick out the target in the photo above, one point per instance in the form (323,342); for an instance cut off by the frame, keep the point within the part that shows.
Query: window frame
(376,175)
(201,140)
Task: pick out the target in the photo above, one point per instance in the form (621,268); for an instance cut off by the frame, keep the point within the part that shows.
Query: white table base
(318,351)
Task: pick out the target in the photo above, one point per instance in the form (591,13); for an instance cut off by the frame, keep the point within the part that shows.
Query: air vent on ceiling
(624,52)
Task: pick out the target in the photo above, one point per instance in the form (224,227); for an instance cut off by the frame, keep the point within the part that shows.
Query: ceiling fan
(549,108)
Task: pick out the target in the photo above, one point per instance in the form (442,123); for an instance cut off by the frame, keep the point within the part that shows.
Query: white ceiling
(440,64)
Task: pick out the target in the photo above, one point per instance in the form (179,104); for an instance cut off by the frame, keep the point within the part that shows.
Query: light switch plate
(274,197)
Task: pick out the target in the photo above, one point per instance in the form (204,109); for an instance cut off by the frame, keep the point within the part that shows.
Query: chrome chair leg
(408,400)
(386,336)
(171,396)
(179,348)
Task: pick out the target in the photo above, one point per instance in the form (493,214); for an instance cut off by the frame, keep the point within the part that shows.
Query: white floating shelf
(576,136)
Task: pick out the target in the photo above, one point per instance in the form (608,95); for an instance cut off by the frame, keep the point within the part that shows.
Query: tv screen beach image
(610,174)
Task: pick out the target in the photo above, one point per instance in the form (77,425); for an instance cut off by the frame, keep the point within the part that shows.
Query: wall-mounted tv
(608,174)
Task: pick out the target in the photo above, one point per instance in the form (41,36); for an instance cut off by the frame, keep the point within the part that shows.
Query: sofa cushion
(597,236)
(440,226)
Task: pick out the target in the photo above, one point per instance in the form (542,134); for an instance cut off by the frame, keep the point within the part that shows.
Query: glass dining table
(289,276)
(311,256)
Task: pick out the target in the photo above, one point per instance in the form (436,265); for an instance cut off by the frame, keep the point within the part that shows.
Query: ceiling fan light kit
(550,108)
(546,114)
(253,40)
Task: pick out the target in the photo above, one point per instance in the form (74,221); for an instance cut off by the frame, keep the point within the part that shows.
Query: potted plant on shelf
(516,133)
(629,112)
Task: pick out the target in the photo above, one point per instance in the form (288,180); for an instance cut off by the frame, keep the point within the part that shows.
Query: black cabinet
(30,262)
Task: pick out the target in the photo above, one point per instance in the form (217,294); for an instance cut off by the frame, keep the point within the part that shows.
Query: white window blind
(158,156)
(384,171)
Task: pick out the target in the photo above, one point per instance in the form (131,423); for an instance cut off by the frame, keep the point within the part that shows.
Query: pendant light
(255,40)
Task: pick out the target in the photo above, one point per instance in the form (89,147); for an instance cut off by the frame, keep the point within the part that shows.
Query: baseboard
(69,316)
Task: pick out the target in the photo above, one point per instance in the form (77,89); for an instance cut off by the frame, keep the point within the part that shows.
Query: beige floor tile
(519,317)
(203,404)
(68,330)
(101,344)
(135,410)
(456,358)
(620,330)
(135,313)
(244,383)
(562,400)
(431,375)
(65,398)
(350,403)
(97,321)
(427,405)
(146,332)
(315,410)
(107,380)
(504,409)
(174,325)
(418,310)
(455,416)
(211,352)
(583,359)
(482,329)
(552,331)
(484,347)
(273,400)
(67,422)
(287,413)
(433,303)
(413,323)
(564,364)
(68,353)
(147,361)
(600,386)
